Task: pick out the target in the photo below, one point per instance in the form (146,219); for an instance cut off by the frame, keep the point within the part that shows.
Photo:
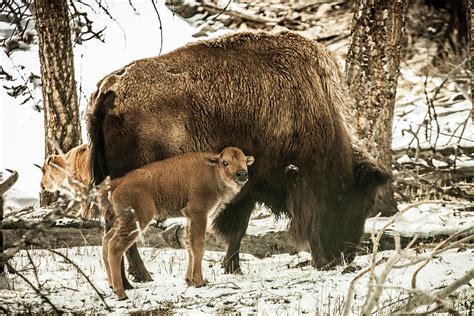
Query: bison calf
(194,185)
(68,173)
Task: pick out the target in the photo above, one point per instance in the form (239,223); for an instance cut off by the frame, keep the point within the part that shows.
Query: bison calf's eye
(225,163)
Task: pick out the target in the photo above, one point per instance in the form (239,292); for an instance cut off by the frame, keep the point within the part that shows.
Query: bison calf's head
(232,164)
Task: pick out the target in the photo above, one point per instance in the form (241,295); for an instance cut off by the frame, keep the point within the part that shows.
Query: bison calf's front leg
(196,239)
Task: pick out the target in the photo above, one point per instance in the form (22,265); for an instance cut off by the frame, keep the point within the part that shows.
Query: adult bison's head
(341,240)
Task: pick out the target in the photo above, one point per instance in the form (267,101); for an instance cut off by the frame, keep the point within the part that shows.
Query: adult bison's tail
(99,102)
(95,119)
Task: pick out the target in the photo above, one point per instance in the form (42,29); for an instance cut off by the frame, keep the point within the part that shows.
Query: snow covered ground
(426,220)
(272,285)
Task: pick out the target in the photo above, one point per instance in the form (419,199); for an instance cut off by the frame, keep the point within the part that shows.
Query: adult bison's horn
(9,182)
(367,171)
(37,166)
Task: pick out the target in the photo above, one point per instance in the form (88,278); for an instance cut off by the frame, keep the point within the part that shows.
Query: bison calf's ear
(49,159)
(212,160)
(250,160)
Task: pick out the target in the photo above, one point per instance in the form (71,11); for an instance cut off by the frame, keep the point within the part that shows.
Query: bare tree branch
(420,300)
(101,295)
(38,291)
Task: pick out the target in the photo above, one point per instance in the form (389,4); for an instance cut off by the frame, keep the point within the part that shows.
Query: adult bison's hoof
(231,266)
(127,285)
(321,264)
(140,275)
(301,264)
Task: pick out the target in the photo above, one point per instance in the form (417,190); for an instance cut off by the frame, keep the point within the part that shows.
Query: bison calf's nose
(242,175)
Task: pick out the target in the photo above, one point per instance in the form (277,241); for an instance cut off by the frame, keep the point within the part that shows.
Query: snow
(412,112)
(426,220)
(272,285)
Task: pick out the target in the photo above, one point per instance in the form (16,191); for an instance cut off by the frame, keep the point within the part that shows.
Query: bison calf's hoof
(123,297)
(189,282)
(196,283)
(200,283)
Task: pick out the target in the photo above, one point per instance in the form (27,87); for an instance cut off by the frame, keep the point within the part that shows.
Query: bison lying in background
(193,185)
(278,97)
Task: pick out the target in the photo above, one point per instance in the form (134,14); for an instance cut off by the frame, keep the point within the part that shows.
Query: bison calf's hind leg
(108,226)
(118,244)
(105,254)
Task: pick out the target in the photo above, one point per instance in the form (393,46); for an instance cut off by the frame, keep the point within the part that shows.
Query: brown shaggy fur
(279,97)
(193,185)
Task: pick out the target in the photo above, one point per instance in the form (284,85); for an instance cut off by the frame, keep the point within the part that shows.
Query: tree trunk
(2,263)
(372,70)
(61,110)
(470,34)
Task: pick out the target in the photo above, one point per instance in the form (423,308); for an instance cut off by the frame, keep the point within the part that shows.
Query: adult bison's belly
(137,138)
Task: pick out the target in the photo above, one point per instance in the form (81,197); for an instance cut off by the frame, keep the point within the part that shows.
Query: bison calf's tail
(100,206)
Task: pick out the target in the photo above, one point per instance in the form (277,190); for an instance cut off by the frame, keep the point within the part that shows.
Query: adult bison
(278,97)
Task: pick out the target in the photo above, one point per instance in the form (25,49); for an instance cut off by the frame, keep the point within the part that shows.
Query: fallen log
(89,233)
(429,152)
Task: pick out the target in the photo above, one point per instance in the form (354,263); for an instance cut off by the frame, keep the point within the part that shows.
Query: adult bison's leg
(231,224)
(136,267)
(318,255)
(325,240)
